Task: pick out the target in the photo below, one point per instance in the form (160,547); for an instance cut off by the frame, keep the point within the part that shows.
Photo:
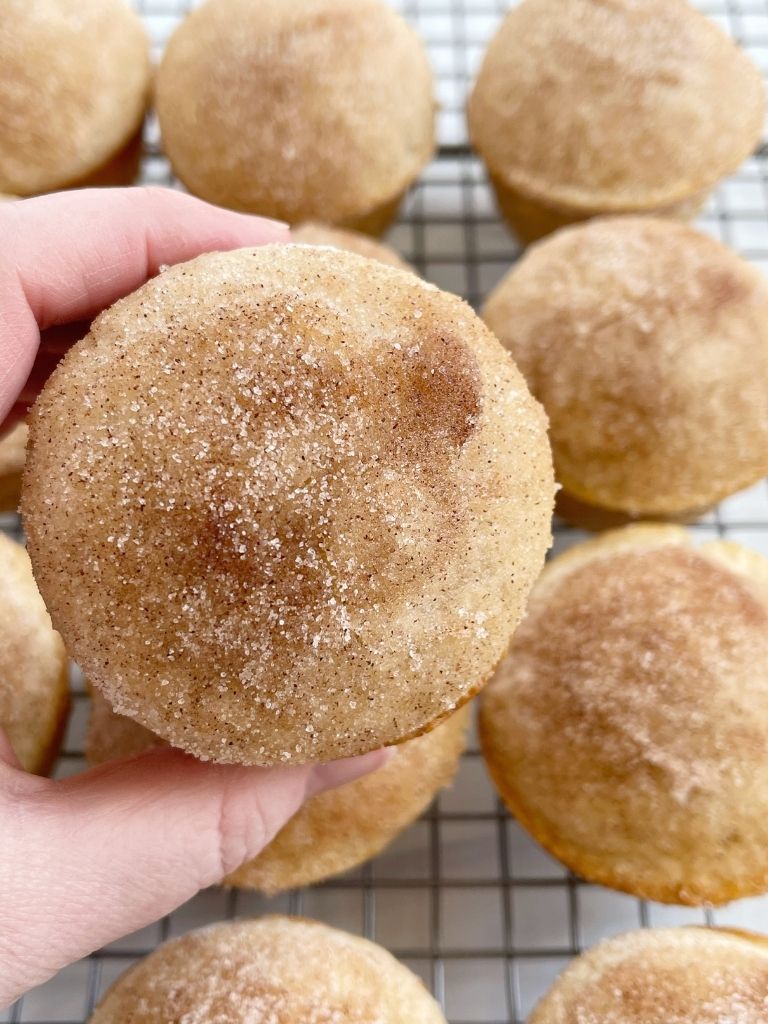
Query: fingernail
(349,769)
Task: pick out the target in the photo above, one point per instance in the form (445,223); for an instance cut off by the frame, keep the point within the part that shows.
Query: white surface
(464,897)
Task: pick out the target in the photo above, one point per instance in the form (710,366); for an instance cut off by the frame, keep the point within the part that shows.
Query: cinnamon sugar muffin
(584,107)
(34,686)
(334,831)
(319,109)
(314,233)
(664,976)
(647,344)
(286,504)
(74,81)
(627,728)
(275,969)
(12,453)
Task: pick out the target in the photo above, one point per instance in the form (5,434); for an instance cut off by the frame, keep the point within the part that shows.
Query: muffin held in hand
(334,831)
(286,504)
(627,728)
(319,109)
(275,969)
(647,344)
(663,976)
(584,107)
(74,81)
(13,447)
(34,685)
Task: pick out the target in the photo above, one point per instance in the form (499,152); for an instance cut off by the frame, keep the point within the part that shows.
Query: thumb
(91,858)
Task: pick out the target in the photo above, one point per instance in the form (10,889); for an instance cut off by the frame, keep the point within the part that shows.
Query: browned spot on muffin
(443,391)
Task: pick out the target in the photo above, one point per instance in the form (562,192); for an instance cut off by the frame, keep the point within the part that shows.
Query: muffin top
(274,970)
(34,688)
(647,344)
(663,976)
(614,105)
(315,233)
(297,109)
(286,503)
(627,726)
(74,77)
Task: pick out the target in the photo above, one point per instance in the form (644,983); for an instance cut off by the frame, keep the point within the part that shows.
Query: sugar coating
(34,687)
(628,724)
(74,77)
(276,970)
(286,504)
(663,976)
(647,343)
(321,109)
(333,831)
(614,105)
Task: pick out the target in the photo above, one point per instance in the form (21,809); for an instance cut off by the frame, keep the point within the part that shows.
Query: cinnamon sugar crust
(647,343)
(275,970)
(74,83)
(664,976)
(626,729)
(286,504)
(613,106)
(321,110)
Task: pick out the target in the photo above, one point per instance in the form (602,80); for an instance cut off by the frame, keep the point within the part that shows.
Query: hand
(88,859)
(66,257)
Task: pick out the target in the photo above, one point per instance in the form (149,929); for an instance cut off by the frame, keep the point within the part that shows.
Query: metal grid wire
(464,897)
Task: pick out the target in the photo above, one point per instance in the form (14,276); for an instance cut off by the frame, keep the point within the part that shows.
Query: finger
(339,773)
(67,256)
(92,858)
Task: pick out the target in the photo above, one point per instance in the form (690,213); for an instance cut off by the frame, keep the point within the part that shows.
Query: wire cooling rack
(464,897)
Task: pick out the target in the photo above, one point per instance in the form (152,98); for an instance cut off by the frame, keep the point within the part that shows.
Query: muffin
(584,107)
(276,969)
(34,687)
(286,504)
(74,80)
(627,728)
(334,831)
(12,453)
(12,450)
(664,976)
(311,110)
(313,233)
(647,344)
